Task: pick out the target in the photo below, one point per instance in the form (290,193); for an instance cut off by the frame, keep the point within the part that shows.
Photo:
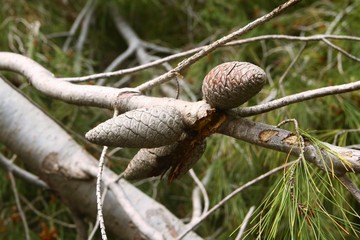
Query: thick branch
(50,152)
(326,156)
(98,96)
(45,82)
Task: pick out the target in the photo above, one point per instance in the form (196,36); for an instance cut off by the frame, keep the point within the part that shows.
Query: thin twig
(298,97)
(98,193)
(353,189)
(230,196)
(85,27)
(343,132)
(301,157)
(296,58)
(99,197)
(21,173)
(97,223)
(349,55)
(194,50)
(116,188)
(196,202)
(245,223)
(146,229)
(188,61)
(47,217)
(18,206)
(339,16)
(298,135)
(76,24)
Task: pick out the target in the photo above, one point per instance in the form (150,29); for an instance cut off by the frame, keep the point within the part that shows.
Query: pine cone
(178,157)
(231,84)
(139,128)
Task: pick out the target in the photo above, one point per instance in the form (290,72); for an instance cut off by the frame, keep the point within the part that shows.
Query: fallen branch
(21,173)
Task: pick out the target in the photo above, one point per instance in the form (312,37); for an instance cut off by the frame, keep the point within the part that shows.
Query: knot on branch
(231,84)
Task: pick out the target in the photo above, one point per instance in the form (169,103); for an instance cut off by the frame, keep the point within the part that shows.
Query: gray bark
(56,158)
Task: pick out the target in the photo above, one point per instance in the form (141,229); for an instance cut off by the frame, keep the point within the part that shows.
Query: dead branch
(49,152)
(21,173)
(230,196)
(188,61)
(314,38)
(327,157)
(295,98)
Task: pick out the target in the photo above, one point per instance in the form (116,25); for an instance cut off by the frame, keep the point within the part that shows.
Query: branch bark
(236,127)
(328,157)
(57,159)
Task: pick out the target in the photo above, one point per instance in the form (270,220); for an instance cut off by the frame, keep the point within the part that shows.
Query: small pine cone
(182,167)
(151,162)
(231,84)
(139,128)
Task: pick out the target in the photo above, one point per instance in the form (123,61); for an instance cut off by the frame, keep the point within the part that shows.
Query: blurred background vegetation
(38,29)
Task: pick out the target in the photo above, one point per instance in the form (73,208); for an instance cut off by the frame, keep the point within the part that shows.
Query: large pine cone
(231,84)
(139,128)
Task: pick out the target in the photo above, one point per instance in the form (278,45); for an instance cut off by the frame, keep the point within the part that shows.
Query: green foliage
(313,202)
(299,203)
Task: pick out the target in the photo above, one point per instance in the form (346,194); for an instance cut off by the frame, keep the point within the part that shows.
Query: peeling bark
(327,156)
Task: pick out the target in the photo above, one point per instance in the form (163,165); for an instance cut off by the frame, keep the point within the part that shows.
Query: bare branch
(298,97)
(187,62)
(344,132)
(30,206)
(18,206)
(21,173)
(245,222)
(230,196)
(98,193)
(326,156)
(197,209)
(108,97)
(341,50)
(85,26)
(122,72)
(44,81)
(77,22)
(41,143)
(136,218)
(353,189)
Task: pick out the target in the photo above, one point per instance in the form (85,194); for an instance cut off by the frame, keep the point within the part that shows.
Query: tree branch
(191,112)
(49,152)
(21,173)
(318,37)
(230,196)
(206,50)
(18,206)
(295,98)
(351,187)
(87,8)
(245,222)
(328,157)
